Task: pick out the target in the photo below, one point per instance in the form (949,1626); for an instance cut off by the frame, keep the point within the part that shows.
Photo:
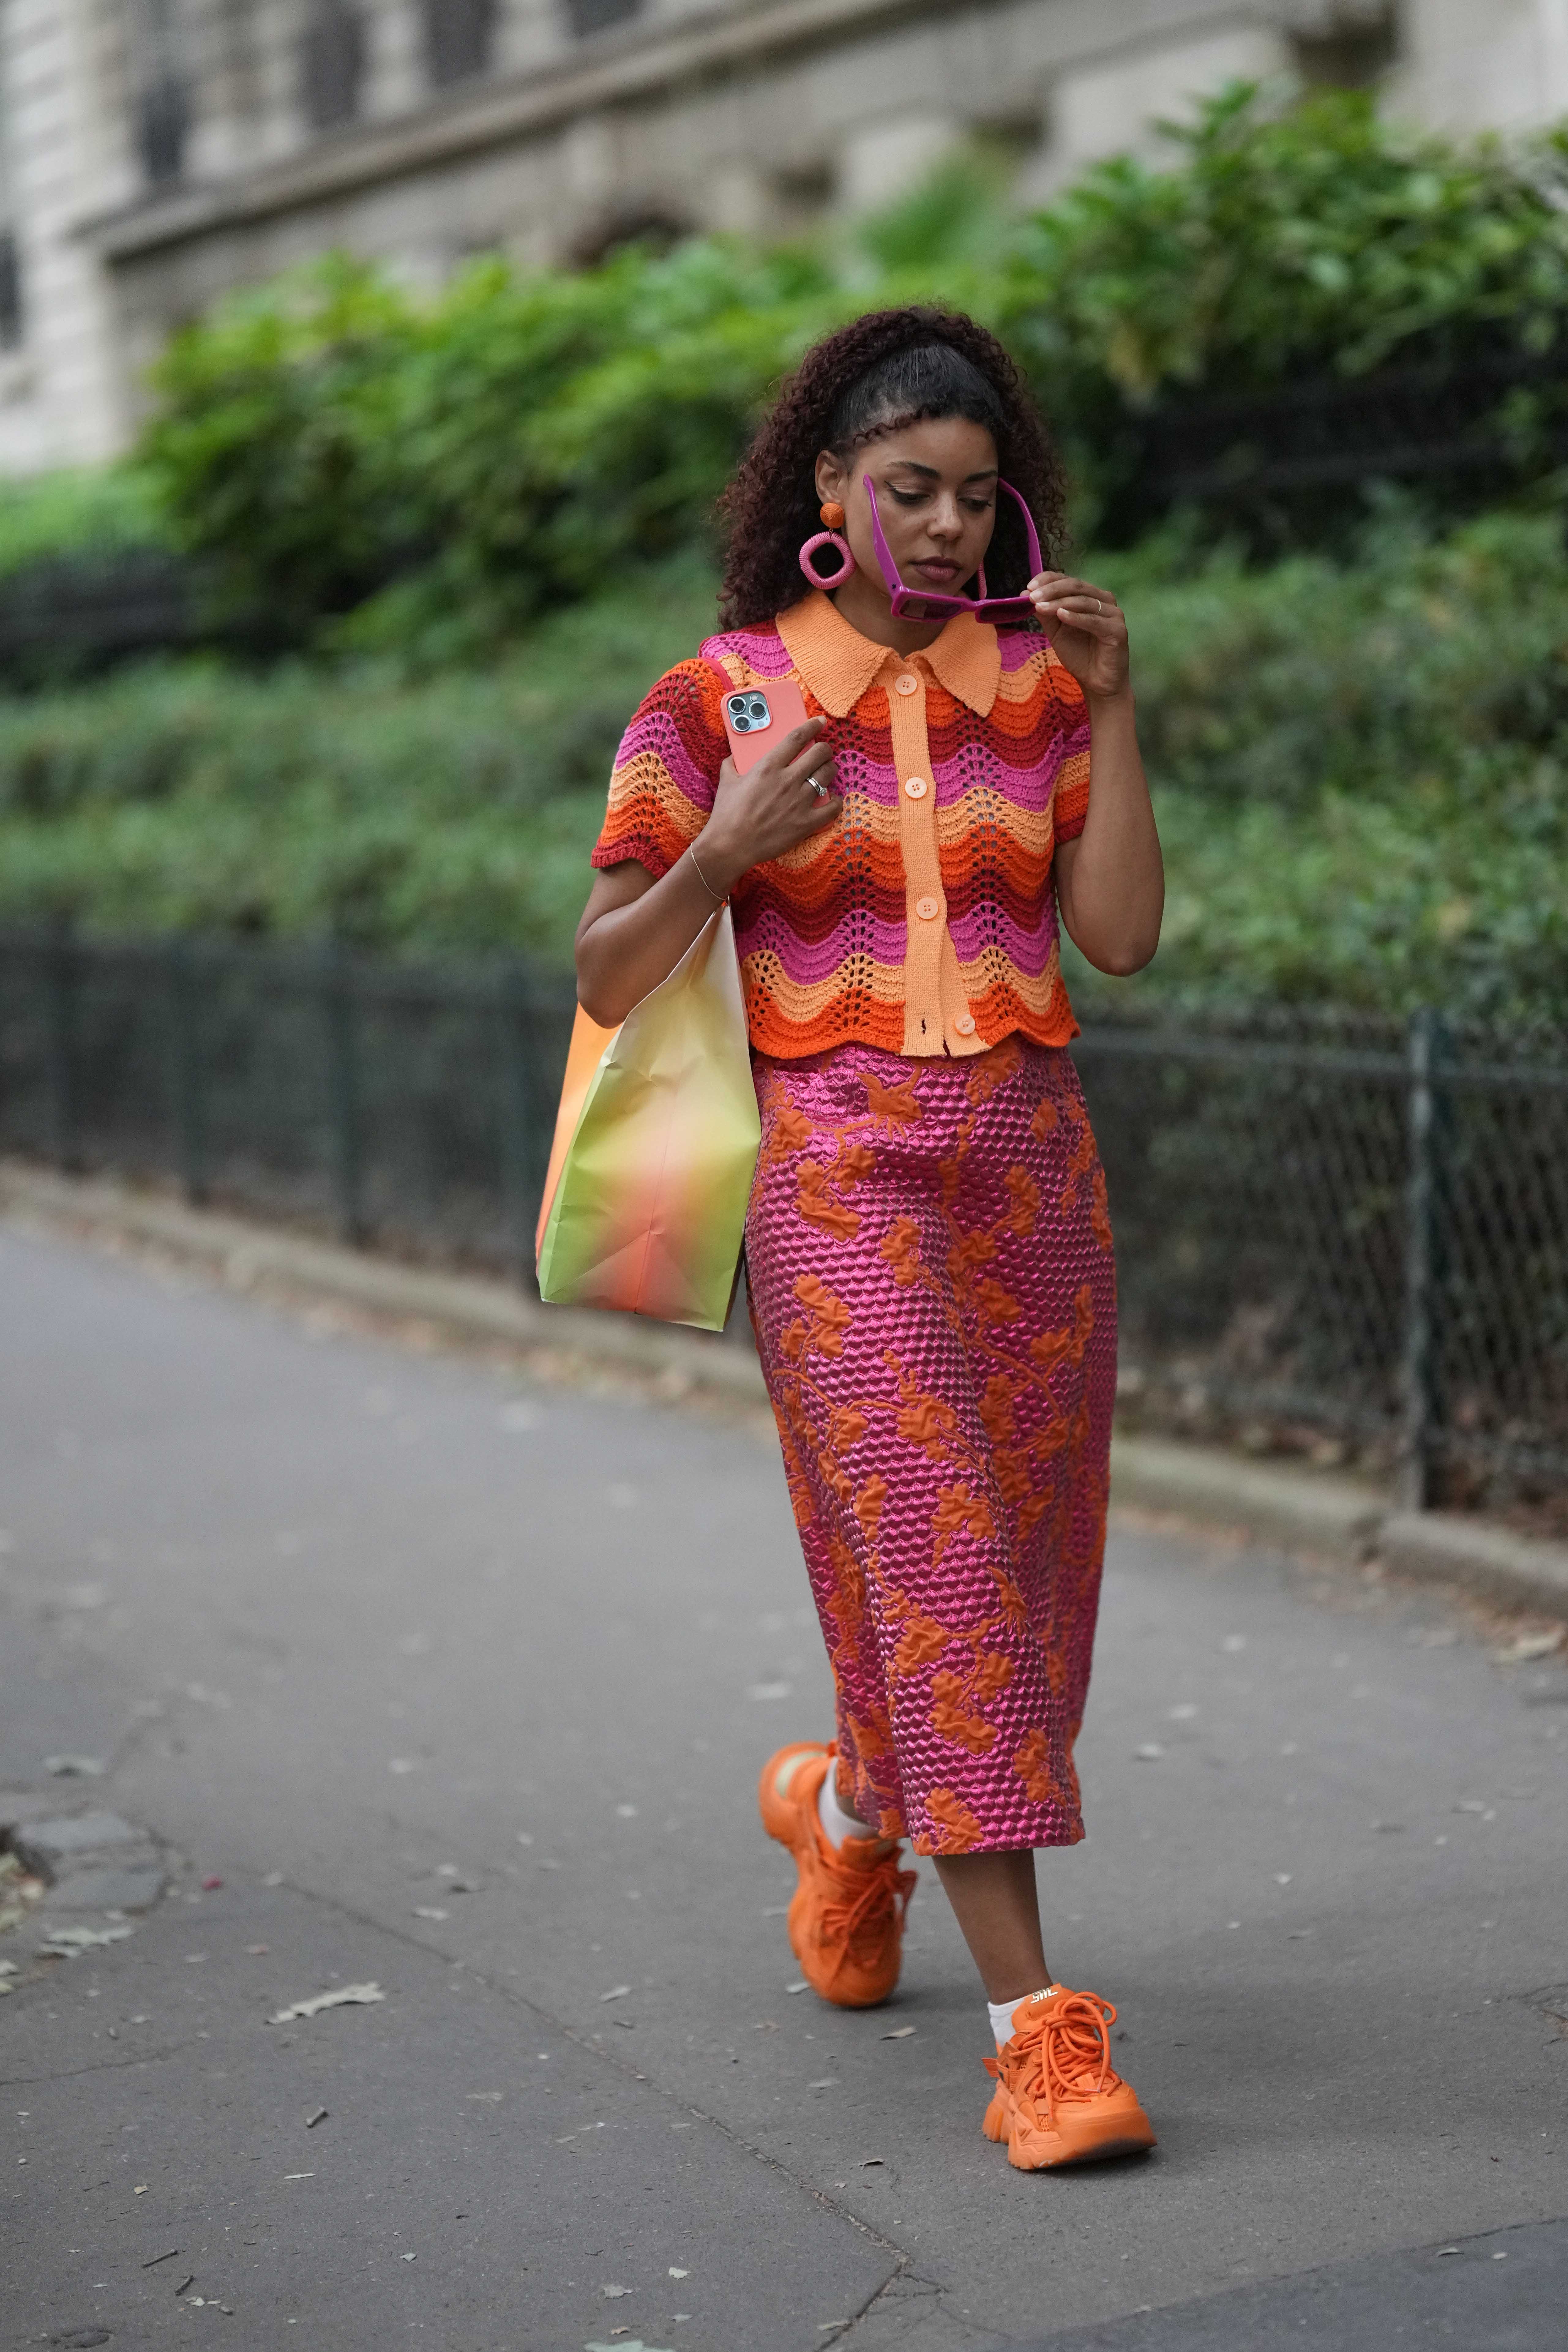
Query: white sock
(1001,2012)
(836,1825)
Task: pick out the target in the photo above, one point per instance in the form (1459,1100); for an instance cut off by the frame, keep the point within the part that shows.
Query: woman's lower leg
(996,1903)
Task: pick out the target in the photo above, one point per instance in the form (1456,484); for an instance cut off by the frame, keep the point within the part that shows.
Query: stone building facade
(153,152)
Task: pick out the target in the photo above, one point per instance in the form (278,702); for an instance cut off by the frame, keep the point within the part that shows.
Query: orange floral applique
(996,1305)
(1014,1608)
(1043,1121)
(818,1205)
(927,1421)
(920,1643)
(994,1069)
(1032,1765)
(997,1409)
(1049,1347)
(952,1719)
(977,1248)
(993,1673)
(1026,1209)
(869,1504)
(795,1480)
(954,1827)
(957,1508)
(858,1161)
(790,1131)
(830,1316)
(848,1427)
(899,1104)
(1099,1215)
(901,1246)
(1078,1165)
(1015,1475)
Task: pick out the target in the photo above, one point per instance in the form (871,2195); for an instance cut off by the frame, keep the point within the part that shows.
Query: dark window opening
(164,122)
(597,16)
(332,64)
(1351,58)
(11,321)
(650,226)
(459,35)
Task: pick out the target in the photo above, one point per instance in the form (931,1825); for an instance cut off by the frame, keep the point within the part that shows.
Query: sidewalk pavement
(1300,1509)
(417,1672)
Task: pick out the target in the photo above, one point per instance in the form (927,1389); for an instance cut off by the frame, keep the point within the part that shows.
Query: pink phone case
(784,708)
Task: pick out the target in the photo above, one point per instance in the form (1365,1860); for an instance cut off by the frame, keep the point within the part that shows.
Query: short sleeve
(665,771)
(1069,800)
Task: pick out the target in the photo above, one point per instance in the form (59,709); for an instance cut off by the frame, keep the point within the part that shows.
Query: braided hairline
(884,425)
(770,504)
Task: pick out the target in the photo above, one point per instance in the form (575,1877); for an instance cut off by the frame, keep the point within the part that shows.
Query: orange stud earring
(832,516)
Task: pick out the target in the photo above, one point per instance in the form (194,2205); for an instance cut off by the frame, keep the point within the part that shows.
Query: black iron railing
(1350,1226)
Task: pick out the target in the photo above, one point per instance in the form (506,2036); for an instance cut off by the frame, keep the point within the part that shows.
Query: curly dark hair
(880,373)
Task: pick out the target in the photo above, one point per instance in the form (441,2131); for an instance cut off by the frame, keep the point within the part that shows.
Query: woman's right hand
(634,930)
(770,809)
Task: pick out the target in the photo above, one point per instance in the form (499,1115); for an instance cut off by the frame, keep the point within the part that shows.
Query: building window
(10,292)
(459,35)
(597,16)
(332,64)
(1353,56)
(164,122)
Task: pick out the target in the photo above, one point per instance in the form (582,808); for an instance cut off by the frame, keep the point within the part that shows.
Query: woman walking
(927,1248)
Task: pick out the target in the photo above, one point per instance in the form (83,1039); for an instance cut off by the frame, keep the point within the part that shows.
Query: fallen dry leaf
(340,1997)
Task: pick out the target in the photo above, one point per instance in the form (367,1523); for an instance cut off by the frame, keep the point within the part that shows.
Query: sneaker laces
(862,1919)
(1071,2057)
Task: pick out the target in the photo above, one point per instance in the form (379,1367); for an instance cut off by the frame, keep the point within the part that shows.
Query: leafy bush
(454,814)
(1360,774)
(94,512)
(443,472)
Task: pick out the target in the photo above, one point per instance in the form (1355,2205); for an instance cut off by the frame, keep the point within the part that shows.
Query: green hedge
(359,465)
(1360,773)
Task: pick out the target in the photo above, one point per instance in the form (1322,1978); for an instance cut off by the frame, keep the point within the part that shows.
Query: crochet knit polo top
(924,920)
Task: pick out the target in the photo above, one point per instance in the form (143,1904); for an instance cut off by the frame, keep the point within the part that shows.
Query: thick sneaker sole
(1089,2143)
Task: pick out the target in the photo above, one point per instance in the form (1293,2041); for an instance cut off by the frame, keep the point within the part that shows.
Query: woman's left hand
(1087,629)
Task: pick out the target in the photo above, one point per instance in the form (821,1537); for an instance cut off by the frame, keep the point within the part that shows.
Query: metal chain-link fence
(1342,1233)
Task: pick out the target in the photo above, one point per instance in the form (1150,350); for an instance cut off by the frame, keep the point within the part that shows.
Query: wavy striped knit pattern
(934,1297)
(825,933)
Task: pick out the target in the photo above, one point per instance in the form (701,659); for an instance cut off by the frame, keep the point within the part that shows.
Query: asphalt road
(461,1688)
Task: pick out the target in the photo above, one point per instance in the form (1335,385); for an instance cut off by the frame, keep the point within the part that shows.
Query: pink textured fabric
(934,1294)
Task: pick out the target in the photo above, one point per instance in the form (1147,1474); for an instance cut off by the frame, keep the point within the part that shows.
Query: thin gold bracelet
(717,896)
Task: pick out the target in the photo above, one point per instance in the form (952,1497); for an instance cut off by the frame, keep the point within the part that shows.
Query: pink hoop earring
(826,538)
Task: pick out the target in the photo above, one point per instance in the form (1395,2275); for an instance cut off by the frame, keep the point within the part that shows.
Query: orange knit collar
(839,664)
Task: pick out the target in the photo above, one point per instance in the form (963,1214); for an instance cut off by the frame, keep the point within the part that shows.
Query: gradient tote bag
(656,1144)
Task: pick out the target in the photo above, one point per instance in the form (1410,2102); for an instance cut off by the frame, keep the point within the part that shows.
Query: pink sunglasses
(920,604)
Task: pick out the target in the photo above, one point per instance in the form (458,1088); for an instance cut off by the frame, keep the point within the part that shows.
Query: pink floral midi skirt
(929,1262)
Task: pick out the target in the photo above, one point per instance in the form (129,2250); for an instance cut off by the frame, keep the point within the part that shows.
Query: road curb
(1270,1503)
(246,1255)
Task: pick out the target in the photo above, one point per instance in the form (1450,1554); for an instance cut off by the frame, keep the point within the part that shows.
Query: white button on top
(906,684)
(928,910)
(916,787)
(964,1024)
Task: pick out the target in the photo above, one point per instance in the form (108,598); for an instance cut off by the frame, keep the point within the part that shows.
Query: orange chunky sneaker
(1058,2098)
(847,1917)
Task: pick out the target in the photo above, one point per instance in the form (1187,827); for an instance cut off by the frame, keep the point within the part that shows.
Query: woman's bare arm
(1110,881)
(635,930)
